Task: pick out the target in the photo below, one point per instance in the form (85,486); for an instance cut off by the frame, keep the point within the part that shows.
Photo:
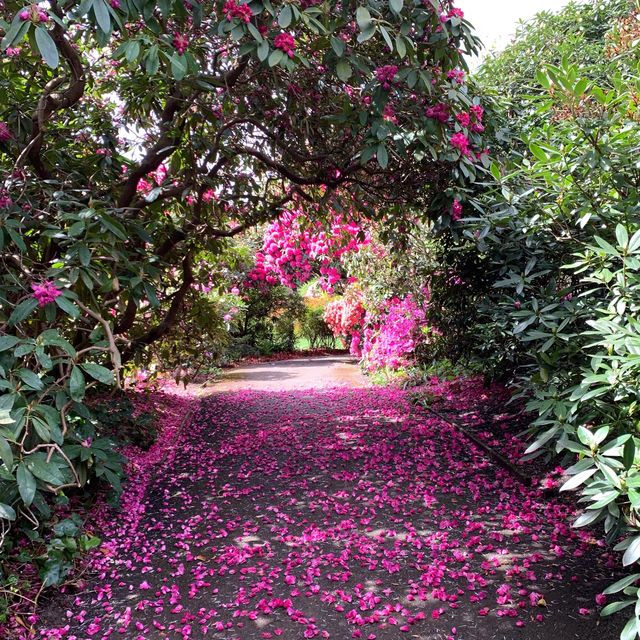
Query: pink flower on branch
(180,42)
(233,9)
(45,293)
(386,74)
(439,112)
(461,143)
(5,132)
(285,42)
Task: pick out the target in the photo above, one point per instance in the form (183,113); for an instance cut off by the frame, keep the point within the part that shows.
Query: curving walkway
(294,508)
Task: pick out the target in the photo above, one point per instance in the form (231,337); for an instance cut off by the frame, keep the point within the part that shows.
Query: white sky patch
(495,21)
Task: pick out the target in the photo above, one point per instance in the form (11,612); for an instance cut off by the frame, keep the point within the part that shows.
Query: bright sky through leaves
(495,21)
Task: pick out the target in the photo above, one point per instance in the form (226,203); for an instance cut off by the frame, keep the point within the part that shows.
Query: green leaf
(629,453)
(614,607)
(285,17)
(632,553)
(68,307)
(40,468)
(363,18)
(622,236)
(6,454)
(338,46)
(578,479)
(66,527)
(152,64)
(178,66)
(47,47)
(263,51)
(7,512)
(382,156)
(23,310)
(133,50)
(621,584)
(538,152)
(26,484)
(84,255)
(8,342)
(98,372)
(76,384)
(396,5)
(609,249)
(91,542)
(344,70)
(16,32)
(275,57)
(102,15)
(111,224)
(30,379)
(587,518)
(53,572)
(630,630)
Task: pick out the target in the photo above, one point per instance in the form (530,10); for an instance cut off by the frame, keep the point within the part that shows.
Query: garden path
(301,503)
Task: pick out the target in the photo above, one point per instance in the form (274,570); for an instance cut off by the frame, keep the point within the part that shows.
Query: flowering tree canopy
(137,136)
(164,127)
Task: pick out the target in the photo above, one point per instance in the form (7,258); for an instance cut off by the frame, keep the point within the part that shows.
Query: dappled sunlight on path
(336,513)
(301,373)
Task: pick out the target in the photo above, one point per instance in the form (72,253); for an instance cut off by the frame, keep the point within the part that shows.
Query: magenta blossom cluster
(5,200)
(456,210)
(385,75)
(460,142)
(294,250)
(35,14)
(45,293)
(234,9)
(439,112)
(285,42)
(180,43)
(5,132)
(345,318)
(390,339)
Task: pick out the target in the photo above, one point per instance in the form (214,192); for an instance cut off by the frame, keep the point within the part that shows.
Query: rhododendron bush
(559,236)
(138,136)
(295,249)
(392,333)
(345,318)
(384,336)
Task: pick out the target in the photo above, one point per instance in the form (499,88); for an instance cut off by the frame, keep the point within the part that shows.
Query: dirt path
(293,508)
(288,375)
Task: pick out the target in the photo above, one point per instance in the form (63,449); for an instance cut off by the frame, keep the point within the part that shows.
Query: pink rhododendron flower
(456,210)
(460,142)
(439,112)
(464,119)
(5,132)
(386,74)
(180,43)
(285,42)
(456,75)
(45,293)
(233,9)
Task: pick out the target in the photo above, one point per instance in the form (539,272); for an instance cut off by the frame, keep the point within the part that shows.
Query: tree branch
(169,320)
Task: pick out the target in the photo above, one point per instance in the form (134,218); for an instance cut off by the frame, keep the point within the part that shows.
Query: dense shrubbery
(138,137)
(559,237)
(538,282)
